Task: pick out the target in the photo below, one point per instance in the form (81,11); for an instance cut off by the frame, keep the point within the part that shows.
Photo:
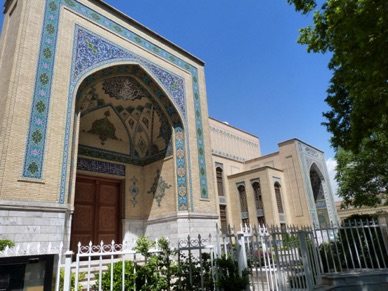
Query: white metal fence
(267,258)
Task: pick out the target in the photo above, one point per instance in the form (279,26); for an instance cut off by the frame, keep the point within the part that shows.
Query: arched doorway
(317,181)
(128,133)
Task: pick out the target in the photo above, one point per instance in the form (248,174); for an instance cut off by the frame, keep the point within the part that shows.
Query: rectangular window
(223,219)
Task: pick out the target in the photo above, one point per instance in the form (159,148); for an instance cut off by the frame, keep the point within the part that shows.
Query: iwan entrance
(97,211)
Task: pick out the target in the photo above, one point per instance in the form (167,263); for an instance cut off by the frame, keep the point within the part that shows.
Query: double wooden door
(97,211)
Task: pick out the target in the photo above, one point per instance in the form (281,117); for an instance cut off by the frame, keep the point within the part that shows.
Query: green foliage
(159,272)
(362,180)
(81,276)
(167,267)
(190,273)
(355,32)
(129,277)
(332,260)
(155,273)
(6,242)
(354,247)
(143,245)
(290,241)
(229,277)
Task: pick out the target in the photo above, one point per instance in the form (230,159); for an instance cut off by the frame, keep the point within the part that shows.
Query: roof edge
(140,26)
(239,129)
(297,139)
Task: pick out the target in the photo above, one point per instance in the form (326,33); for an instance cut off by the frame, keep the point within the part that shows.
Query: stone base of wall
(30,222)
(174,227)
(357,281)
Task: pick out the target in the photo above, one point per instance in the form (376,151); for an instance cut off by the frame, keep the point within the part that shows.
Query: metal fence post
(67,277)
(279,272)
(306,262)
(241,254)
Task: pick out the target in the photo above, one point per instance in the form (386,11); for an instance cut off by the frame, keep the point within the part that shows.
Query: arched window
(257,193)
(243,204)
(223,219)
(316,184)
(220,182)
(278,195)
(259,203)
(220,190)
(317,181)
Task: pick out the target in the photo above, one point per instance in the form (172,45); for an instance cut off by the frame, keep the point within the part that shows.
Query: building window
(261,220)
(278,195)
(259,203)
(243,205)
(243,199)
(223,219)
(316,184)
(245,222)
(220,182)
(257,193)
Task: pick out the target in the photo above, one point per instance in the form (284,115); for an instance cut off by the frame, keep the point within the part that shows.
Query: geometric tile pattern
(110,50)
(147,127)
(158,188)
(100,167)
(36,138)
(181,168)
(134,71)
(33,161)
(93,51)
(311,158)
(134,190)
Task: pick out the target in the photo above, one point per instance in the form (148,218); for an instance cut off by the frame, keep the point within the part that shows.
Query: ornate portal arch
(96,59)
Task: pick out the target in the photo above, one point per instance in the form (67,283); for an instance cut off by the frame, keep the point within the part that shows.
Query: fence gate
(276,258)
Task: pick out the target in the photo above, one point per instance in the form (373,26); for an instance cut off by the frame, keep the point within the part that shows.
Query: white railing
(273,258)
(30,249)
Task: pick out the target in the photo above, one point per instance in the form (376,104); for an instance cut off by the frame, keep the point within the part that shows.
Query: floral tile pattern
(158,188)
(100,167)
(134,190)
(34,155)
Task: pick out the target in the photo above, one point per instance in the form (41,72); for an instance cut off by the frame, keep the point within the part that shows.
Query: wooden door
(97,212)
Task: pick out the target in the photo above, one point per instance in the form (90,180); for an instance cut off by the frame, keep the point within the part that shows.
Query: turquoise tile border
(36,139)
(307,157)
(86,44)
(34,156)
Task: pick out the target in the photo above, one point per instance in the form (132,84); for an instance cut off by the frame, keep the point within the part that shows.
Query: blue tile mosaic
(158,188)
(36,140)
(134,190)
(100,167)
(33,164)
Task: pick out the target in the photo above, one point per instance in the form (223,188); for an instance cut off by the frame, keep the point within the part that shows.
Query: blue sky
(257,77)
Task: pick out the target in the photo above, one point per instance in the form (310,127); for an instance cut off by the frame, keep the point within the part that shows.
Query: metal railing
(296,257)
(273,258)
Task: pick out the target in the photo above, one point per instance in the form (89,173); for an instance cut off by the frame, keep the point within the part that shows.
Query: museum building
(105,135)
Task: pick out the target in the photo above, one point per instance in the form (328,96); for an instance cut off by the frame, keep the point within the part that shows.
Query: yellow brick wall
(13,186)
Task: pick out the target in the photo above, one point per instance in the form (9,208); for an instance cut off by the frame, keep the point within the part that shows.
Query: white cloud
(331,164)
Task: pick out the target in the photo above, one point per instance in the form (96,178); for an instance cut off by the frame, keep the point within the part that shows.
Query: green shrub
(159,272)
(6,242)
(229,277)
(191,274)
(155,273)
(81,276)
(290,241)
(129,277)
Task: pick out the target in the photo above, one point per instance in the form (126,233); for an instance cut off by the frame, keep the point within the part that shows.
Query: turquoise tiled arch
(35,148)
(175,120)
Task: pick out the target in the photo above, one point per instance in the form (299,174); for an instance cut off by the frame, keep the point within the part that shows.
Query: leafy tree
(355,32)
(362,179)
